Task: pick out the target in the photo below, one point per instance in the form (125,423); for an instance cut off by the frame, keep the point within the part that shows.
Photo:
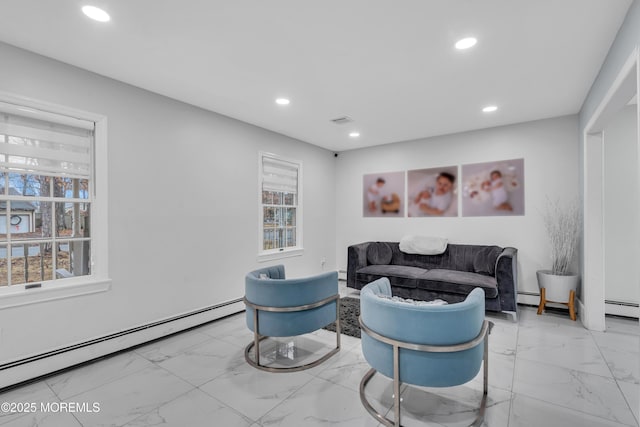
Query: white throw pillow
(410,301)
(423,245)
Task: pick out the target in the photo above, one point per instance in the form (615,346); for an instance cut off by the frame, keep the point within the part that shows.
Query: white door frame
(592,306)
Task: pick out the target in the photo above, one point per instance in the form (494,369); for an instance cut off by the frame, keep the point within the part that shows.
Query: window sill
(269,256)
(17,295)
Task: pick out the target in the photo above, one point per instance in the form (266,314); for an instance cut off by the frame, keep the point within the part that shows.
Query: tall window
(280,205)
(46,196)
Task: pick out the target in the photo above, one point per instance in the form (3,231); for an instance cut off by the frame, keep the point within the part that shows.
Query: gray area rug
(349,313)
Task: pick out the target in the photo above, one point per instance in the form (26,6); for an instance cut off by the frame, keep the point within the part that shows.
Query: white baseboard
(621,310)
(534,300)
(528,299)
(16,372)
(610,308)
(581,310)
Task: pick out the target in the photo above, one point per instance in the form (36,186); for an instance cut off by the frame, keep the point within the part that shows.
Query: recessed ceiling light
(466,43)
(282,101)
(489,109)
(96,13)
(354,134)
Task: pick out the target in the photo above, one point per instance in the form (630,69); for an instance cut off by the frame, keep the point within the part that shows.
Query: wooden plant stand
(570,304)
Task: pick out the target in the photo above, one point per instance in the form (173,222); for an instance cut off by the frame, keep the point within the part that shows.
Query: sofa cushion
(398,275)
(457,282)
(484,261)
(379,253)
(455,257)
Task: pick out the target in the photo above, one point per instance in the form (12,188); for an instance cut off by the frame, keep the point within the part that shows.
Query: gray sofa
(450,276)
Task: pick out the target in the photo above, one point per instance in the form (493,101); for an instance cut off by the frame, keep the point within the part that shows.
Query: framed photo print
(433,192)
(383,194)
(493,188)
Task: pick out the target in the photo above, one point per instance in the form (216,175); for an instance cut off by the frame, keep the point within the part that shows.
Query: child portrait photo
(383,194)
(493,188)
(433,192)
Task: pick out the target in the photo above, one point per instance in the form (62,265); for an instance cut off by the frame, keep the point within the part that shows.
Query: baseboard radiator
(621,308)
(29,368)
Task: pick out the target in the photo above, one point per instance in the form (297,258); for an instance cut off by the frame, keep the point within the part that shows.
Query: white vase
(557,287)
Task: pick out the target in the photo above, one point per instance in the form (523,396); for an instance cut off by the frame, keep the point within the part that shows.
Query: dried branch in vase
(562,221)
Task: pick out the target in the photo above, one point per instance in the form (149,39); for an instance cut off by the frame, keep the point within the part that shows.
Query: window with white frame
(280,205)
(46,196)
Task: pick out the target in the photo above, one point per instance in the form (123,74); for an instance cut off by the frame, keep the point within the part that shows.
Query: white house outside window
(280,206)
(47,197)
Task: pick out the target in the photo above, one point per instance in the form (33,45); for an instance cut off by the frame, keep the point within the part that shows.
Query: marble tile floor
(544,371)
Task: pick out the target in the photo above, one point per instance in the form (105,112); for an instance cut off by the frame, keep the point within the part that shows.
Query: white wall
(621,207)
(550,152)
(624,46)
(171,165)
(627,39)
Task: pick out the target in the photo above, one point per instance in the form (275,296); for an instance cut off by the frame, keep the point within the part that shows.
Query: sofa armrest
(507,278)
(356,259)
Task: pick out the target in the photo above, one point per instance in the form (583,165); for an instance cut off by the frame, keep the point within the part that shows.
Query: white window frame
(271,254)
(98,280)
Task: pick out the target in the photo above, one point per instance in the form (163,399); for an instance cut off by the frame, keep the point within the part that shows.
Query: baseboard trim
(528,298)
(533,299)
(35,366)
(621,309)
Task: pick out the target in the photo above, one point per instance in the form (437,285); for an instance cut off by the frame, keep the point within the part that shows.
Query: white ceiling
(389,65)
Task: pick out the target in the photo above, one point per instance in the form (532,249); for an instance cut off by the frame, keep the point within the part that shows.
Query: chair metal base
(255,344)
(484,334)
(391,423)
(310,365)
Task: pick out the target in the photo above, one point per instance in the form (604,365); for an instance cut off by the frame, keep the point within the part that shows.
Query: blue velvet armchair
(423,345)
(280,307)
